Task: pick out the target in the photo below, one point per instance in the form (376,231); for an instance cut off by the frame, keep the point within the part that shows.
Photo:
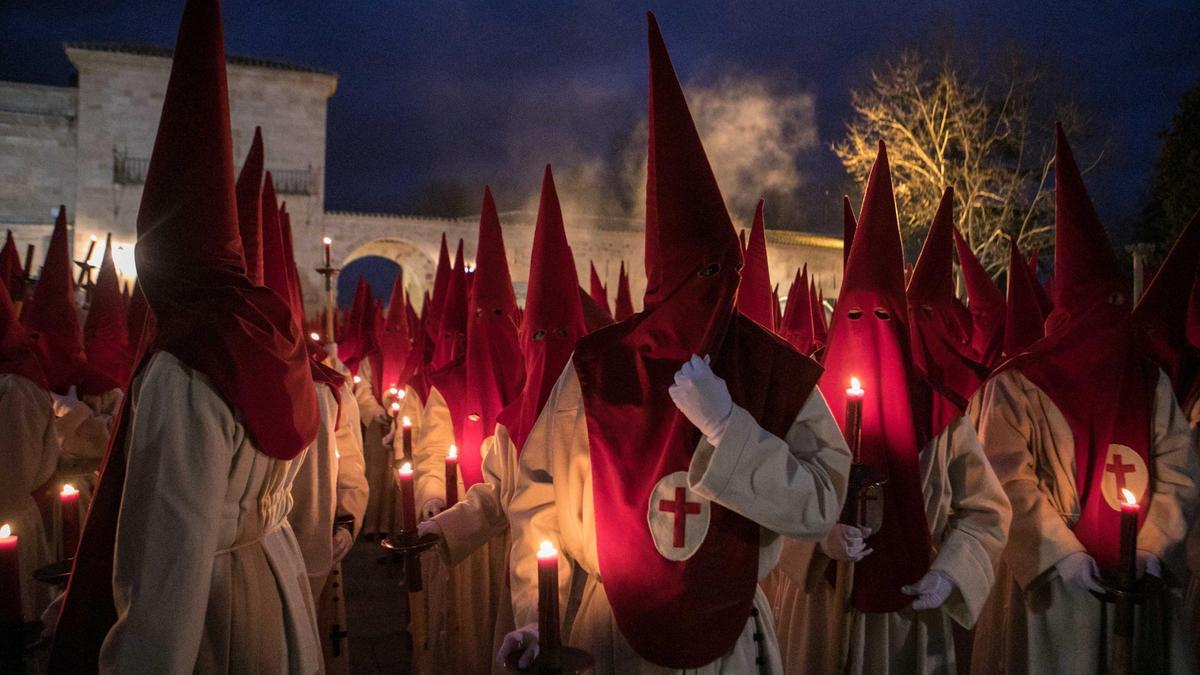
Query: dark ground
(376,611)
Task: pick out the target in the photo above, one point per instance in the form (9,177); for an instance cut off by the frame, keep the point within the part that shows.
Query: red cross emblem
(681,507)
(677,517)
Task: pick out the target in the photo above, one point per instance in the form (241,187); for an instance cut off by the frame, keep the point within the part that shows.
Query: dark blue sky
(480,92)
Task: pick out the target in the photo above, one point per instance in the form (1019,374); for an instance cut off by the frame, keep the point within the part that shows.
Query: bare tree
(943,130)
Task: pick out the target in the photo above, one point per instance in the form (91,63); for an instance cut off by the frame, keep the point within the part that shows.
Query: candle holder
(56,573)
(565,660)
(409,546)
(1125,597)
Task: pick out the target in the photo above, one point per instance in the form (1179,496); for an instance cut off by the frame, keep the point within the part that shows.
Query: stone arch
(418,267)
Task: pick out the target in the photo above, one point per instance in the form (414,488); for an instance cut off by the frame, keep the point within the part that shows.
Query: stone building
(87,146)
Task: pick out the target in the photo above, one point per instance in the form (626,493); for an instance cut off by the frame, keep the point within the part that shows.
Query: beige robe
(469,608)
(330,483)
(968,516)
(207,575)
(1034,622)
(381,504)
(792,487)
(83,433)
(1192,598)
(30,449)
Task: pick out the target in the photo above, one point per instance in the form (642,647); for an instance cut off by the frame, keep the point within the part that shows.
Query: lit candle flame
(69,490)
(327,241)
(452,453)
(546,550)
(337,455)
(855,387)
(393,391)
(6,530)
(316,337)
(401,394)
(405,421)
(92,238)
(357,380)
(1129,498)
(395,407)
(406,469)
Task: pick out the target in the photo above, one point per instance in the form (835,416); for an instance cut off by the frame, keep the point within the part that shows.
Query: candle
(548,637)
(406,437)
(407,498)
(395,409)
(316,337)
(452,475)
(357,380)
(1129,526)
(854,407)
(10,579)
(68,501)
(328,251)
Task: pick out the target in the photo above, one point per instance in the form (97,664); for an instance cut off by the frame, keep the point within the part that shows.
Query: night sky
(463,93)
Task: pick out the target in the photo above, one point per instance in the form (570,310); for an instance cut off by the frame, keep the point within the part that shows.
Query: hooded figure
(1069,424)
(624,305)
(849,224)
(986,304)
(190,512)
(923,551)
(797,325)
(819,324)
(1023,320)
(599,293)
(672,483)
(12,275)
(29,446)
(105,333)
(754,296)
(51,317)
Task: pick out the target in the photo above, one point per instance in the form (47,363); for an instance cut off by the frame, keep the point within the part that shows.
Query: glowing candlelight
(395,408)
(1127,569)
(328,251)
(855,388)
(407,498)
(68,500)
(853,421)
(315,336)
(357,380)
(401,394)
(10,579)
(452,475)
(548,635)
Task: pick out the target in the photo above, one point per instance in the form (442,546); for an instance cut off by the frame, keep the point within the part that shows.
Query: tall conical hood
(932,279)
(553,318)
(51,317)
(431,311)
(986,304)
(754,295)
(250,208)
(1023,320)
(624,305)
(451,341)
(395,343)
(1043,297)
(598,291)
(295,298)
(12,276)
(797,327)
(105,332)
(208,313)
(820,329)
(350,339)
(495,365)
(869,340)
(274,267)
(1162,313)
(18,356)
(593,314)
(687,225)
(849,224)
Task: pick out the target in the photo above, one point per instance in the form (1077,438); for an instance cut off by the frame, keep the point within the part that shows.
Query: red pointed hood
(12,275)
(593,314)
(820,326)
(250,208)
(432,308)
(754,296)
(105,333)
(209,314)
(395,343)
(451,340)
(986,304)
(797,327)
(274,267)
(1023,320)
(18,356)
(495,365)
(849,224)
(51,317)
(295,298)
(869,340)
(553,318)
(637,436)
(939,325)
(624,306)
(1043,297)
(599,292)
(1162,313)
(350,341)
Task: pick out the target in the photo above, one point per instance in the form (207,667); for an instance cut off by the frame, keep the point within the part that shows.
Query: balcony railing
(132,171)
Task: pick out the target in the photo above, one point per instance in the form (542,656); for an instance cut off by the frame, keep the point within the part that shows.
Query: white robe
(793,487)
(30,449)
(968,516)
(207,575)
(381,504)
(1034,622)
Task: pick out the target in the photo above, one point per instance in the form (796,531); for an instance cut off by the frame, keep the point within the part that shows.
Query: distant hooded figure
(675,448)
(1077,419)
(187,561)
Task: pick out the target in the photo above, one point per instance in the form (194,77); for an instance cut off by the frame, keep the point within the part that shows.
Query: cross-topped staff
(329,272)
(26,279)
(86,267)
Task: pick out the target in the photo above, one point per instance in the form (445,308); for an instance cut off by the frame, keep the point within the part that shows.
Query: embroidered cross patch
(678,518)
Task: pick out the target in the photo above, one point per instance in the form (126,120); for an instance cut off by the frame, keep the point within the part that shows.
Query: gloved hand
(429,526)
(703,398)
(63,403)
(432,507)
(1148,563)
(331,349)
(342,541)
(932,590)
(1079,570)
(524,640)
(845,543)
(389,438)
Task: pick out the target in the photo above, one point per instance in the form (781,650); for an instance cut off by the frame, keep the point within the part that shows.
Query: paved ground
(376,611)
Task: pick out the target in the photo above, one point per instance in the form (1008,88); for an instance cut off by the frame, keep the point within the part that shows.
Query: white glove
(932,590)
(1079,570)
(703,398)
(429,526)
(331,349)
(389,438)
(63,403)
(432,507)
(523,640)
(1148,563)
(342,541)
(845,543)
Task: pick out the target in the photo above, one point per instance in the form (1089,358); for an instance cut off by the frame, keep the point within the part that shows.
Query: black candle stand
(56,573)
(1125,596)
(410,545)
(567,661)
